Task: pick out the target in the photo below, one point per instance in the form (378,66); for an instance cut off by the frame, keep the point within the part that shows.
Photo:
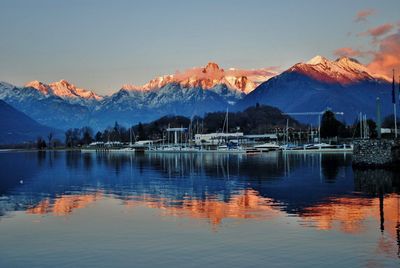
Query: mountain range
(343,85)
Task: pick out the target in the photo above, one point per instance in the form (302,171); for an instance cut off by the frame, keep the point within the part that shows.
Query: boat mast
(394,107)
(130,136)
(287,131)
(227,119)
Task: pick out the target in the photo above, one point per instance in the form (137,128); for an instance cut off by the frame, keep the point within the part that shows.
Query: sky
(101,45)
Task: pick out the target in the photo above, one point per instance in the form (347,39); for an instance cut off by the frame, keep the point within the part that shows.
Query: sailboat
(230,146)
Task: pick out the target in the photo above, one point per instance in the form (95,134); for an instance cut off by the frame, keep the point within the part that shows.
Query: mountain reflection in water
(320,191)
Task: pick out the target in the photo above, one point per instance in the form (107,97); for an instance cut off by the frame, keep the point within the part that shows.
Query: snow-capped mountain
(64,90)
(128,106)
(344,85)
(208,77)
(47,108)
(343,70)
(192,92)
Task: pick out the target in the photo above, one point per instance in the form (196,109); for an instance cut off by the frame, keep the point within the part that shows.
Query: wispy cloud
(378,31)
(387,57)
(384,55)
(362,15)
(348,52)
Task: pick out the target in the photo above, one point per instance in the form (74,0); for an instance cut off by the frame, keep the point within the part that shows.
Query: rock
(376,153)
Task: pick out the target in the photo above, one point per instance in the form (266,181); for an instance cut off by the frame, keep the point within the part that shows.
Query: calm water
(67,209)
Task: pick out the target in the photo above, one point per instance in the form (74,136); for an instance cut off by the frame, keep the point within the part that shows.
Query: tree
(141,133)
(72,137)
(40,143)
(372,129)
(99,136)
(68,138)
(388,121)
(50,139)
(330,126)
(86,135)
(373,133)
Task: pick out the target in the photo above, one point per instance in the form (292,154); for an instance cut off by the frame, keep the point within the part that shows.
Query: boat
(253,151)
(266,147)
(318,147)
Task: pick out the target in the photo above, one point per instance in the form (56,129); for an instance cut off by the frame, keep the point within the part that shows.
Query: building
(217,138)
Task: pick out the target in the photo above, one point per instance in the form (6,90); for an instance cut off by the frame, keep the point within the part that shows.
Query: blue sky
(101,45)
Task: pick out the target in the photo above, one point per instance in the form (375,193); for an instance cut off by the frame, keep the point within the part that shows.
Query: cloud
(362,15)
(385,54)
(387,57)
(348,52)
(379,30)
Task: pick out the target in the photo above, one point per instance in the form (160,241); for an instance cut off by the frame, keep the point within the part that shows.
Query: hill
(17,127)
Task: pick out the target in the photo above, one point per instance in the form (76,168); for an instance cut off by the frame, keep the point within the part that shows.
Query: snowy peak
(5,85)
(343,70)
(211,67)
(318,60)
(41,87)
(67,90)
(64,90)
(351,64)
(208,77)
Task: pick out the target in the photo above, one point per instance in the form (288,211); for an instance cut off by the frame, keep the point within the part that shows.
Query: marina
(183,140)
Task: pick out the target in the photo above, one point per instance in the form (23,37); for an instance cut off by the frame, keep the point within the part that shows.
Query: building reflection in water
(320,190)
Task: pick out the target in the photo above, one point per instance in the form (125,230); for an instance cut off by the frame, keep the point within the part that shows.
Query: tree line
(258,119)
(254,120)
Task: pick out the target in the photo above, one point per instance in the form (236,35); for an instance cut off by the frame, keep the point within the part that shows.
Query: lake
(72,209)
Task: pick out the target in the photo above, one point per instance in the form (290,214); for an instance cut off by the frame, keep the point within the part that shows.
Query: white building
(216,138)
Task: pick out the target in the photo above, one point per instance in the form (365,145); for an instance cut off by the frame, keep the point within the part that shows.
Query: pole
(130,137)
(378,117)
(227,122)
(361,127)
(394,101)
(319,128)
(395,120)
(287,131)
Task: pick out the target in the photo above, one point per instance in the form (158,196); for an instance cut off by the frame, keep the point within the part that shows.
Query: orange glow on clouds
(362,15)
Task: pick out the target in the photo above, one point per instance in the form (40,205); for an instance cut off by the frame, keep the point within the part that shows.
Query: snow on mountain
(344,85)
(5,85)
(133,106)
(38,101)
(243,81)
(64,90)
(6,89)
(343,70)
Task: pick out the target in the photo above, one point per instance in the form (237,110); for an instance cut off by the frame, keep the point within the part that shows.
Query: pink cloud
(347,52)
(387,57)
(379,30)
(362,15)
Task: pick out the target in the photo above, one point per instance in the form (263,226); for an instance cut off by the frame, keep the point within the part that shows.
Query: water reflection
(63,204)
(321,191)
(246,204)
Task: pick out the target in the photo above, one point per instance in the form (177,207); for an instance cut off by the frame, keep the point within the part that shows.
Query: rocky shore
(376,154)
